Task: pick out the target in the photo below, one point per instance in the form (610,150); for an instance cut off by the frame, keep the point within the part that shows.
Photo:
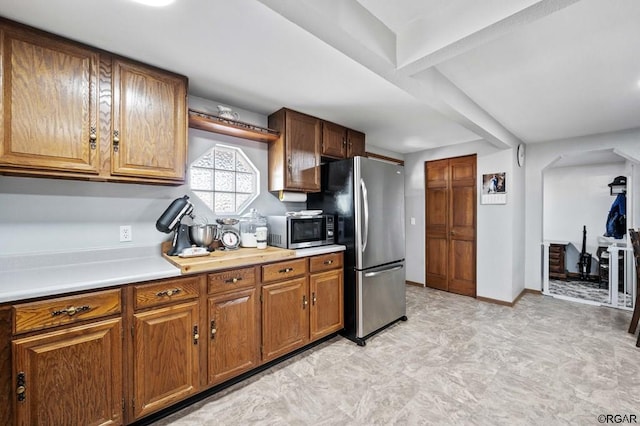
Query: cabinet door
(285,317)
(355,143)
(302,152)
(149,122)
(166,361)
(234,335)
(70,377)
(334,140)
(49,103)
(327,309)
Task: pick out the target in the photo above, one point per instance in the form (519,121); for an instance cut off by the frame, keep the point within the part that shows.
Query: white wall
(43,215)
(574,197)
(539,157)
(496,233)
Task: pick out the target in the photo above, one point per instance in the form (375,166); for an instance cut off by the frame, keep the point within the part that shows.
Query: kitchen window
(224,179)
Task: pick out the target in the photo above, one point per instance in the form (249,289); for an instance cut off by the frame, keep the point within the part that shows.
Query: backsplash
(40,215)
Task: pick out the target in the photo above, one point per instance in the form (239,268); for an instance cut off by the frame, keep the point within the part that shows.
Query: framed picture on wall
(494,188)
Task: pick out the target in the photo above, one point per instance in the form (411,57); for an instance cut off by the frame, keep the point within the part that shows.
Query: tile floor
(590,291)
(456,361)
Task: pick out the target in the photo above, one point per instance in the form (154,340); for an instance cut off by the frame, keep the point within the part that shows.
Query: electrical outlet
(125,233)
(413,220)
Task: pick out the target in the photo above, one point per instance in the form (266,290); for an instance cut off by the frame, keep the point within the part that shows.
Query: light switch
(413,220)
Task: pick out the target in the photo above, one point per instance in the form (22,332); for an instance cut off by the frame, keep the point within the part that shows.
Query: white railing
(629,279)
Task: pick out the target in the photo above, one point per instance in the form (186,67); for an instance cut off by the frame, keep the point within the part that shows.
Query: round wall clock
(520,154)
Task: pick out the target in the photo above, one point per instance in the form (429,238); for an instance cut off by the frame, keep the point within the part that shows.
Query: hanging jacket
(617,218)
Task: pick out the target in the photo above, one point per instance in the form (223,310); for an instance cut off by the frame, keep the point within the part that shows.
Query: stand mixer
(171,221)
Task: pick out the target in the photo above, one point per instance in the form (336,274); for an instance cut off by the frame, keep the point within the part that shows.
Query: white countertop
(47,274)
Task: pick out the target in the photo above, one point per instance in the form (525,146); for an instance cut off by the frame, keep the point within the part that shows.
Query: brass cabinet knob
(92,138)
(213,329)
(71,311)
(169,292)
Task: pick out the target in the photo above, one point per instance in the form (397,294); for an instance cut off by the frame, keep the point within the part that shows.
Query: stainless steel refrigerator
(367,198)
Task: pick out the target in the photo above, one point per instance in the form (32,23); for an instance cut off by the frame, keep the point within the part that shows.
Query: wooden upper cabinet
(69,110)
(71,376)
(339,142)
(355,144)
(334,140)
(49,105)
(294,158)
(148,122)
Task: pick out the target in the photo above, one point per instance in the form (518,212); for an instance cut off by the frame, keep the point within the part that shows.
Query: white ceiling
(411,74)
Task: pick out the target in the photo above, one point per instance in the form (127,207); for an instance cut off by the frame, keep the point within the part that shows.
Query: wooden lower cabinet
(297,311)
(327,303)
(165,356)
(71,376)
(116,356)
(557,264)
(234,334)
(285,317)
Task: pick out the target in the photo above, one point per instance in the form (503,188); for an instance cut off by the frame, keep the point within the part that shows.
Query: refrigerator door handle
(384,271)
(365,199)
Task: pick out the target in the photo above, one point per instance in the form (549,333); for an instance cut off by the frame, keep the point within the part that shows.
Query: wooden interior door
(450,217)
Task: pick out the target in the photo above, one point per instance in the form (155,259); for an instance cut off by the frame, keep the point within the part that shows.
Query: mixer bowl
(203,235)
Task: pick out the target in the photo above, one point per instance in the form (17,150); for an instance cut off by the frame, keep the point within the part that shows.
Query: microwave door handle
(365,202)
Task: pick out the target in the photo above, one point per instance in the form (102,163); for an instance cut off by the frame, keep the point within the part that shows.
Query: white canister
(261,237)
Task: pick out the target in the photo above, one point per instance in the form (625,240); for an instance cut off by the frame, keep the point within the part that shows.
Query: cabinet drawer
(325,262)
(283,270)
(232,280)
(65,310)
(161,293)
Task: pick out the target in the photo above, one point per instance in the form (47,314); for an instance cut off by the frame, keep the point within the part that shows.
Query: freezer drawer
(380,297)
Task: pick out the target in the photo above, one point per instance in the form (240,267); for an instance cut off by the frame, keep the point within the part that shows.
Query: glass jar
(248,227)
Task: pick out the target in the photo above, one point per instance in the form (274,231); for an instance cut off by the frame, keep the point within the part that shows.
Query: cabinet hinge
(131,331)
(260,298)
(123,405)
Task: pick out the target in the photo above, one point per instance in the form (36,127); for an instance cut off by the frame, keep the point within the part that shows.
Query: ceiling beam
(431,88)
(434,55)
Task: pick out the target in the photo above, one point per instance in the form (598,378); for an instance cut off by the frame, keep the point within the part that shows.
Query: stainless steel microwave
(296,232)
